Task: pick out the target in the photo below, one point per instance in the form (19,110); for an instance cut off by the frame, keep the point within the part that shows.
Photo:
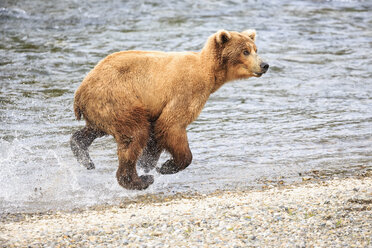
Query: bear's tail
(77,108)
(77,111)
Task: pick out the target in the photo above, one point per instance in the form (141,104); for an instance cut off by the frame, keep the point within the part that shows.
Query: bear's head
(237,54)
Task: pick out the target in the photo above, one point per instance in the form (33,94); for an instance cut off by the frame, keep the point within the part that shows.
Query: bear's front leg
(175,141)
(127,174)
(130,180)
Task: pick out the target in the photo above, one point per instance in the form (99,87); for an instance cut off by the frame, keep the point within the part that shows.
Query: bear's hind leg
(131,136)
(80,141)
(151,154)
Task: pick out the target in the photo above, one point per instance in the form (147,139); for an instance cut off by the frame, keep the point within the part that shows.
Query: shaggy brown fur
(147,99)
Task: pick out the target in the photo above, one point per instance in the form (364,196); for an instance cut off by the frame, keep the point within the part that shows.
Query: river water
(311,111)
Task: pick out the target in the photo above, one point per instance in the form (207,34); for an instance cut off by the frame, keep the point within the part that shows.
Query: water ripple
(312,110)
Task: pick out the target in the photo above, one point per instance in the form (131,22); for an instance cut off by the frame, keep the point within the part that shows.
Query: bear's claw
(144,182)
(90,166)
(148,179)
(169,167)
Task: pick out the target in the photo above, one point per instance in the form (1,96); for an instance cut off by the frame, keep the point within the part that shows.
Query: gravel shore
(333,213)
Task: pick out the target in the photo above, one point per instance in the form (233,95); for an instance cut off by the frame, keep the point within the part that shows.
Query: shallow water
(311,111)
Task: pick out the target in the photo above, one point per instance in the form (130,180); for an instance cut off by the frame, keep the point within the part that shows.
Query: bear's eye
(246,52)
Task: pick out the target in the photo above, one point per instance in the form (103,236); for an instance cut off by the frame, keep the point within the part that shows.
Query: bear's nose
(264,66)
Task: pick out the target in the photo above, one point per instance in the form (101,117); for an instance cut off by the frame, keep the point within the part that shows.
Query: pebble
(311,214)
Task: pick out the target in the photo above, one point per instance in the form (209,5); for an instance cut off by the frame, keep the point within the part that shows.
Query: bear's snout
(264,67)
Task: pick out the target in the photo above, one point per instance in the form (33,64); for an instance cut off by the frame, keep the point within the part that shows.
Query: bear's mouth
(258,74)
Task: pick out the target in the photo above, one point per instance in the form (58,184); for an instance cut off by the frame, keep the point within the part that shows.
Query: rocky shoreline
(329,213)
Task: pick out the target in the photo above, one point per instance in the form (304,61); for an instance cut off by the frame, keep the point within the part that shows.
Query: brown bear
(145,100)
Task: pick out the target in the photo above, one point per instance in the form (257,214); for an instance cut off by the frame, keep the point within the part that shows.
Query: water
(311,111)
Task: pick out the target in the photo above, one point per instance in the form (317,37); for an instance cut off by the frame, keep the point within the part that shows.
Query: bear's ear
(223,36)
(251,33)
